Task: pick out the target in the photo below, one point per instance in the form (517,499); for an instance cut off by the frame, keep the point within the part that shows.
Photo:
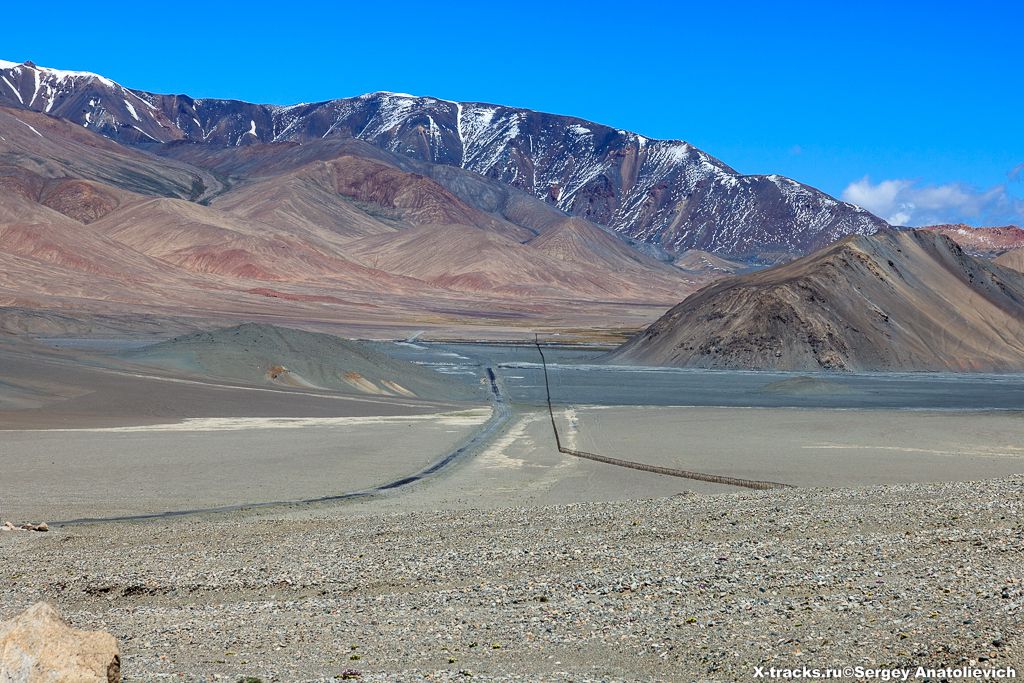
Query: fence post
(657,469)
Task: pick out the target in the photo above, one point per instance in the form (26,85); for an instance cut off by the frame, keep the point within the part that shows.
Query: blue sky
(911,109)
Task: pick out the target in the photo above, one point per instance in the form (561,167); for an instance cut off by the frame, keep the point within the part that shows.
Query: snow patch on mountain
(32,128)
(13,89)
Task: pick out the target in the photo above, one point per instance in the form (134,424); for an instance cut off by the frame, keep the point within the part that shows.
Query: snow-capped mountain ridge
(59,74)
(666,192)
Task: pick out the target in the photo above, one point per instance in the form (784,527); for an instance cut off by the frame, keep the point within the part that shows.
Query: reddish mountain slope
(987,242)
(205,240)
(338,230)
(357,196)
(578,241)
(81,200)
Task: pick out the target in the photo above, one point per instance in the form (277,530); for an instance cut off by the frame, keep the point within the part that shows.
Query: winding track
(500,416)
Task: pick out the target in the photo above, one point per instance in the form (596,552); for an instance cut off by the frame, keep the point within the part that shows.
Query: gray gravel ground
(686,588)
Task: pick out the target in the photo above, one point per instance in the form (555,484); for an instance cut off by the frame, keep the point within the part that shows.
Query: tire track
(500,416)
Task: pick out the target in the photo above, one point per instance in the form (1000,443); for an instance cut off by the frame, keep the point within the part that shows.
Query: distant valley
(390,214)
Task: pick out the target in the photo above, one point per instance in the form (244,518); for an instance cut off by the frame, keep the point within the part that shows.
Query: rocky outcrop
(38,646)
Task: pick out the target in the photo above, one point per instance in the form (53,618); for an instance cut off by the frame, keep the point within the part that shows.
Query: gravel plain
(682,588)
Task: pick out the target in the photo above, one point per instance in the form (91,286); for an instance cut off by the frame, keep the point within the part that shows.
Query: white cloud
(907,202)
(1015,173)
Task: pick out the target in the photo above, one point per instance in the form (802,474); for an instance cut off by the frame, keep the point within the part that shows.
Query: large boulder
(38,646)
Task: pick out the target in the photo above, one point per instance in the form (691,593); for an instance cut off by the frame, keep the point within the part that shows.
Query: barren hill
(201,239)
(268,354)
(1012,259)
(384,191)
(53,148)
(910,300)
(576,240)
(374,211)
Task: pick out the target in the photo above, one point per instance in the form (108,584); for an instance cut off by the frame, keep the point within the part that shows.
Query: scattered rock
(684,588)
(10,526)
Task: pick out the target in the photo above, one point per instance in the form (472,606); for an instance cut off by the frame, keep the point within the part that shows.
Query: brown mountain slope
(1012,259)
(48,236)
(575,240)
(49,258)
(362,237)
(52,148)
(82,200)
(307,202)
(909,300)
(469,259)
(592,249)
(376,202)
(253,162)
(357,196)
(414,197)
